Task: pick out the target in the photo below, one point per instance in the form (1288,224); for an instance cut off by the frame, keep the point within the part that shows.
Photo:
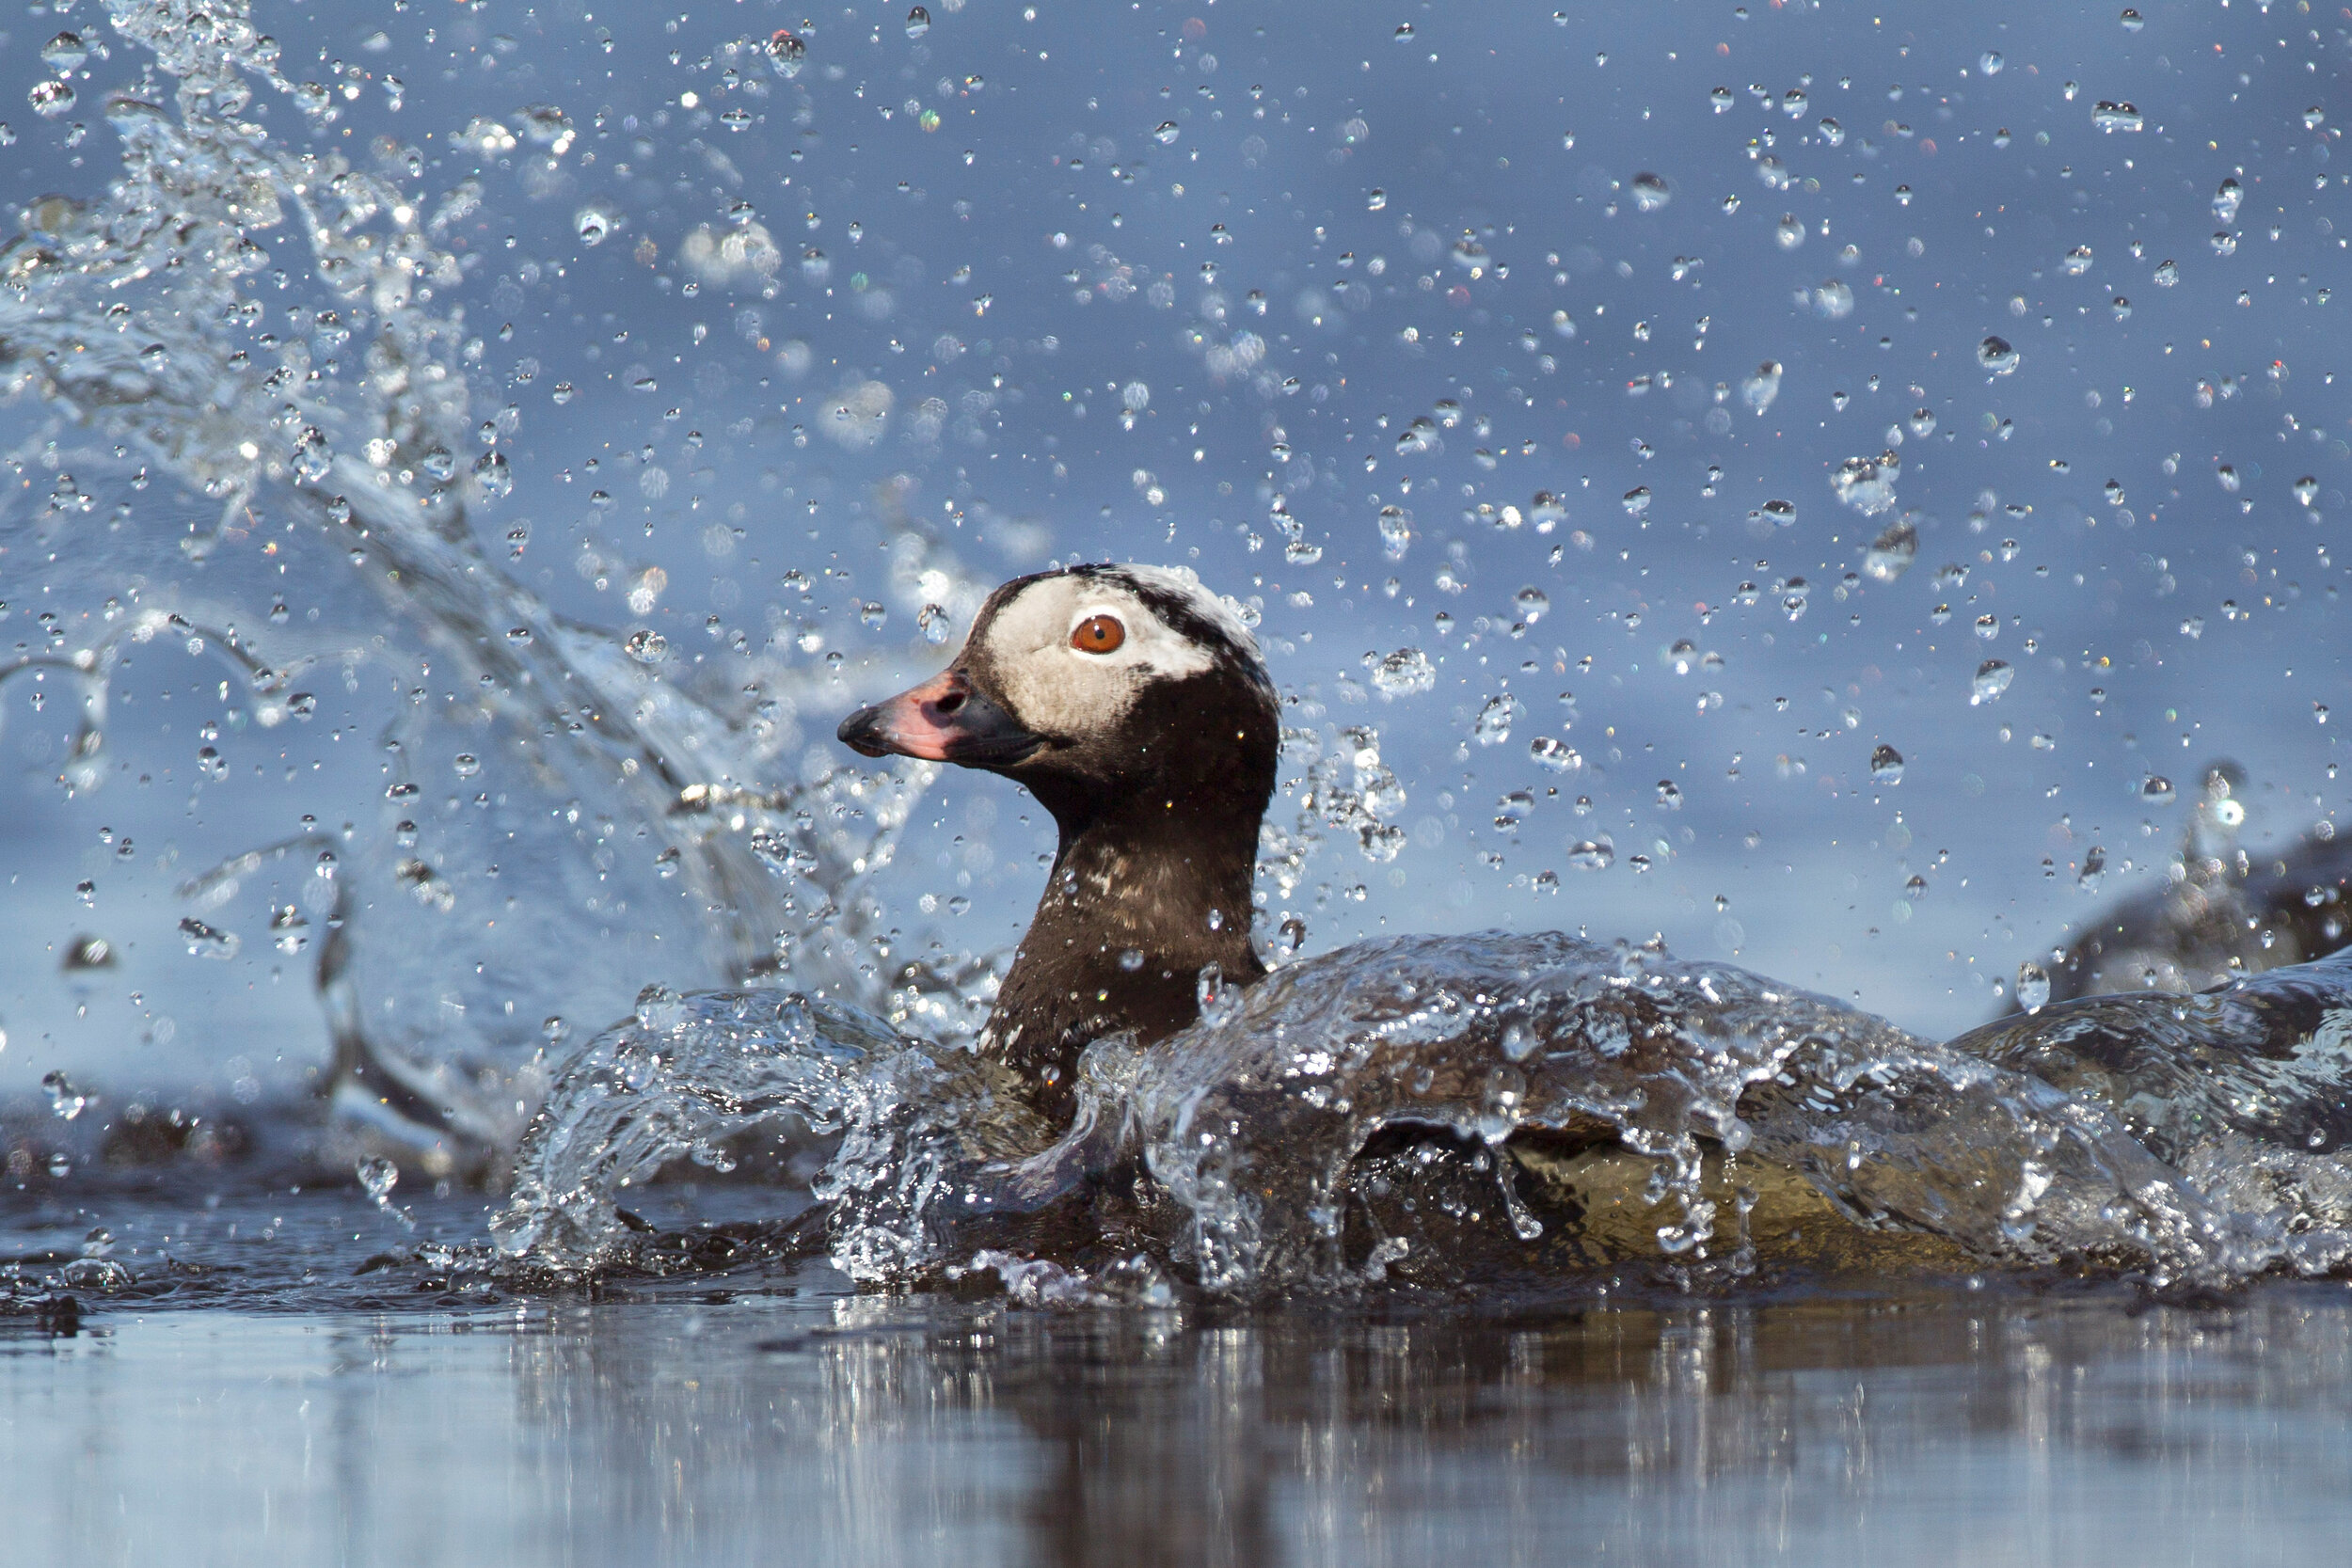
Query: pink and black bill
(944,720)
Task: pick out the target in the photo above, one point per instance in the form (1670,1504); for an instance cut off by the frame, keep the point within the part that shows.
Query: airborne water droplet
(206,942)
(1218,997)
(1165,133)
(1992,679)
(1886,765)
(595,221)
(1554,753)
(1492,726)
(377,1177)
(1650,192)
(1995,356)
(65,1101)
(51,98)
(787,54)
(918,23)
(2033,986)
(1404,674)
(646,646)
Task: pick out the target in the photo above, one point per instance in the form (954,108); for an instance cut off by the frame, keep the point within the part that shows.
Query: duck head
(1131,703)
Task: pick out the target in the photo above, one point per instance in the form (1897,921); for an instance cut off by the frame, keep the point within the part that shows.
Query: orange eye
(1100,634)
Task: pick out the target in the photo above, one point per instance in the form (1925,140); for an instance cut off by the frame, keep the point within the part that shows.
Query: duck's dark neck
(1144,894)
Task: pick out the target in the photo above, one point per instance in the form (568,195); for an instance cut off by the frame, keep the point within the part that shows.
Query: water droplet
(1789,232)
(1165,133)
(1720,98)
(2076,262)
(378,1175)
(1990,63)
(647,646)
(918,23)
(1650,192)
(205,942)
(1492,726)
(1554,753)
(2133,21)
(466,765)
(2306,490)
(2168,273)
(66,52)
(2225,199)
(1833,300)
(2112,118)
(595,221)
(1588,854)
(934,623)
(1534,605)
(65,1101)
(312,456)
(1893,551)
(2313,117)
(1396,531)
(1995,356)
(1868,483)
(51,98)
(2157,790)
(289,932)
(2033,986)
(1378,201)
(1758,391)
(1404,674)
(1991,680)
(1293,937)
(1219,998)
(1886,765)
(1637,499)
(787,54)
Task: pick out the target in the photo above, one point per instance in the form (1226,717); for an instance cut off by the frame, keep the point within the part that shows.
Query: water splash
(1236,1151)
(136,317)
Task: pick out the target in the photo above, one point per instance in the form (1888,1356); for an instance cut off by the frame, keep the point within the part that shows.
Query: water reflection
(761,1427)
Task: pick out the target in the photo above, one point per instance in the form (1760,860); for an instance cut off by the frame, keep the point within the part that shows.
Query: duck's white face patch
(1058,689)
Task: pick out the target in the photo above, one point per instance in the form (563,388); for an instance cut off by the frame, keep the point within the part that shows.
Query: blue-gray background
(1014,211)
